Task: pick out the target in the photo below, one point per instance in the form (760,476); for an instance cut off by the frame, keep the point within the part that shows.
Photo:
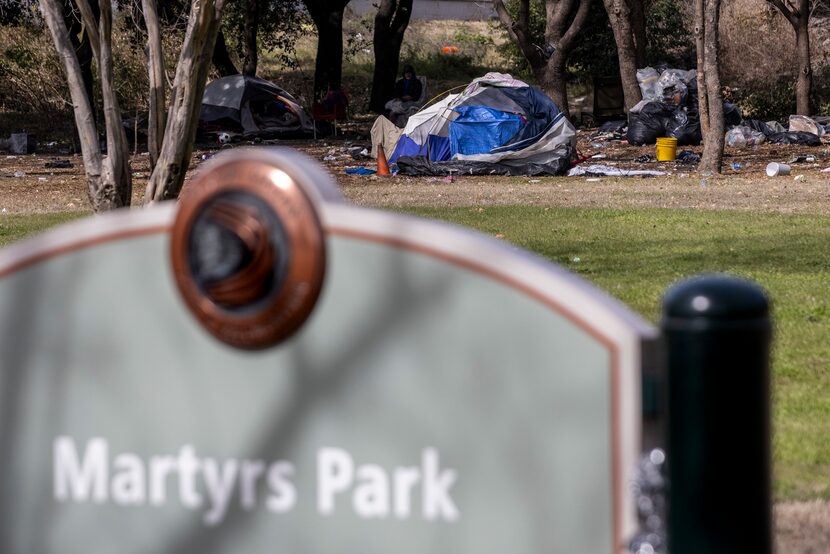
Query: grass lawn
(15,226)
(636,254)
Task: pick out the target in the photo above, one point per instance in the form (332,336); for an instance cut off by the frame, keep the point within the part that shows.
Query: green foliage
(595,55)
(281,23)
(430,62)
(536,33)
(636,254)
(771,100)
(668,39)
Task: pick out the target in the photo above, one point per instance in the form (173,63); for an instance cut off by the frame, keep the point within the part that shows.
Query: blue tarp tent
(496,120)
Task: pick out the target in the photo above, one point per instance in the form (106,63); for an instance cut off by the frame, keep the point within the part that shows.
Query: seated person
(408,92)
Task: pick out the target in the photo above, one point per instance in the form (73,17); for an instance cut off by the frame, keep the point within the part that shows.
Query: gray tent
(251,106)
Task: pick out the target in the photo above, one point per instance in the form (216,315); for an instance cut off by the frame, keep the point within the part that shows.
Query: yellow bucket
(666,149)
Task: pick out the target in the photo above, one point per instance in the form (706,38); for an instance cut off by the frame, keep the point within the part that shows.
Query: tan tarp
(386,133)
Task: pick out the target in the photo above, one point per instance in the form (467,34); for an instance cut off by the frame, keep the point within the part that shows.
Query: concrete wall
(469,10)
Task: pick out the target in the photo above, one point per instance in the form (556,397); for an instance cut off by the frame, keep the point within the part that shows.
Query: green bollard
(717,331)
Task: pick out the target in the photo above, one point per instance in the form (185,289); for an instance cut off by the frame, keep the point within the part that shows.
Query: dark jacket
(408,87)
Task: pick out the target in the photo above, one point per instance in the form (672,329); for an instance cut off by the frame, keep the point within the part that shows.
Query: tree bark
(799,18)
(249,64)
(83,50)
(714,140)
(804,84)
(638,29)
(391,22)
(328,67)
(564,20)
(702,96)
(221,58)
(158,84)
(117,167)
(191,74)
(109,182)
(619,15)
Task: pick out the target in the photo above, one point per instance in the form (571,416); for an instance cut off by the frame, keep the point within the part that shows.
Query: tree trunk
(117,163)
(158,84)
(189,85)
(83,50)
(638,29)
(328,67)
(702,96)
(251,27)
(390,25)
(620,17)
(799,18)
(221,58)
(714,140)
(804,84)
(554,81)
(108,180)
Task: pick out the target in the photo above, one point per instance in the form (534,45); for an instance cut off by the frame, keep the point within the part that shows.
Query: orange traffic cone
(383,166)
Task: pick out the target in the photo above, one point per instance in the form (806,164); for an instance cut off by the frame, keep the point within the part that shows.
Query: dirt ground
(28,186)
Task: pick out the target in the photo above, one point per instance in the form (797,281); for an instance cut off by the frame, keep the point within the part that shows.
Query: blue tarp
(437,147)
(479,129)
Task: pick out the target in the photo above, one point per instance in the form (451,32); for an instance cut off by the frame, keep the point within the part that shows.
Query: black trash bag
(649,123)
(615,126)
(758,125)
(795,137)
(419,165)
(731,115)
(684,125)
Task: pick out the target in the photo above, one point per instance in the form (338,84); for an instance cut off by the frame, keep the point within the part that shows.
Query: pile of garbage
(669,108)
(802,130)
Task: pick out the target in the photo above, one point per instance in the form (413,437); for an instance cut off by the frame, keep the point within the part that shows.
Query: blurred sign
(171,382)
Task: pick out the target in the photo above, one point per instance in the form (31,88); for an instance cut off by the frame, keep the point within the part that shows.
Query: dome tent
(253,107)
(497,125)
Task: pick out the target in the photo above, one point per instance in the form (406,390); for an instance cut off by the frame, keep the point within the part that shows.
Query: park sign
(264,367)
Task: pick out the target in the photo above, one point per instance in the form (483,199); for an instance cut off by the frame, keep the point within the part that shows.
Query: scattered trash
(599,156)
(742,136)
(359,171)
(802,159)
(826,170)
(593,179)
(688,157)
(795,137)
(449,179)
(205,156)
(41,178)
(645,158)
(798,178)
(59,164)
(535,181)
(359,152)
(329,158)
(737,166)
(774,169)
(19,174)
(704,182)
(11,157)
(599,145)
(3,210)
(608,171)
(802,123)
(575,259)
